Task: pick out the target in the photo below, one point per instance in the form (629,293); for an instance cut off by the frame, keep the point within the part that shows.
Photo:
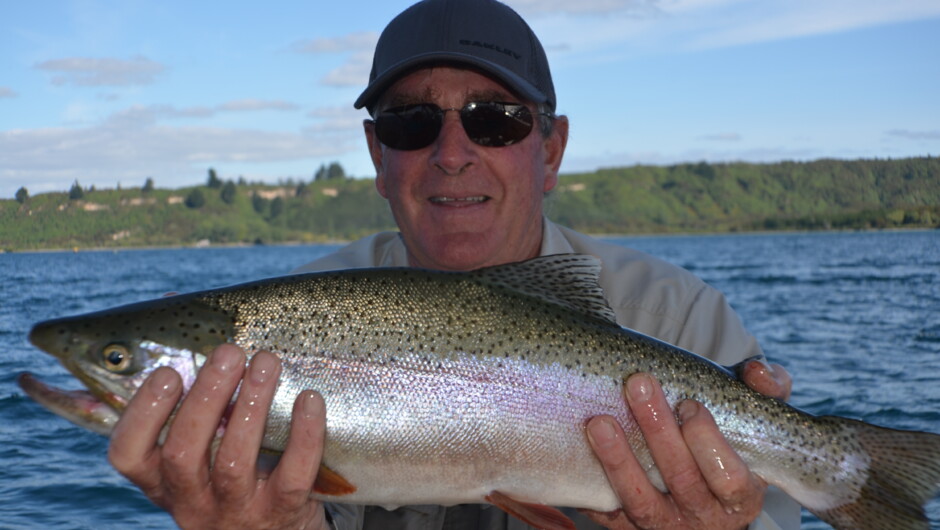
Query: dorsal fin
(568,280)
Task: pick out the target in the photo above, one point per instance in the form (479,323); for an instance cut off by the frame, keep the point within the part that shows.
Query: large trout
(446,388)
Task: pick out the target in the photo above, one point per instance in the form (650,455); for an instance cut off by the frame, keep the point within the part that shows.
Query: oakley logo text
(490,46)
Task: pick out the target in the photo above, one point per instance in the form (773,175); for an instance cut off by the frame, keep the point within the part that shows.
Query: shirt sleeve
(713,329)
(780,512)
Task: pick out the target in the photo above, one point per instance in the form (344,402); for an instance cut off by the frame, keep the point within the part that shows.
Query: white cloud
(241,105)
(721,23)
(7,92)
(89,71)
(352,42)
(914,135)
(342,119)
(667,26)
(169,111)
(355,72)
(721,137)
(594,7)
(590,162)
(359,48)
(131,145)
(152,113)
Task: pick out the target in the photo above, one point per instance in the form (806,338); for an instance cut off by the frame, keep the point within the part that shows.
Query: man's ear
(554,147)
(375,151)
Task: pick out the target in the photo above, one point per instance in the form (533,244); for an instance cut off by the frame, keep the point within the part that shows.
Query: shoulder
(638,282)
(384,249)
(666,301)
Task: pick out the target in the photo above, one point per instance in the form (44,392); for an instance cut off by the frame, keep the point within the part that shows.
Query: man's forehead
(413,88)
(394,98)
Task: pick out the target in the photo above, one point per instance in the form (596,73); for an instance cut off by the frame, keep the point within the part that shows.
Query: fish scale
(445,388)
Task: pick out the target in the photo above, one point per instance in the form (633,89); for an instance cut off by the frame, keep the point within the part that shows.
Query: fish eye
(116,357)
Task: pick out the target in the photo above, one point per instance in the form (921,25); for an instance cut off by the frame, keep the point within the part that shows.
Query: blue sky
(110,92)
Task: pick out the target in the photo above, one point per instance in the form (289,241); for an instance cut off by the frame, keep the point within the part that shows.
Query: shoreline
(199,245)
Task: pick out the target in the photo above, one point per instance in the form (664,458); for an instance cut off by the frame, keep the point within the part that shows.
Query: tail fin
(904,474)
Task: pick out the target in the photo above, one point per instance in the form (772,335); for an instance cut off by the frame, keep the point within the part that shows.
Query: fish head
(112,352)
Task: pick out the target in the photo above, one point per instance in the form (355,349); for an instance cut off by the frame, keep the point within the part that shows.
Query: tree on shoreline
(228,192)
(213,182)
(76,191)
(195,199)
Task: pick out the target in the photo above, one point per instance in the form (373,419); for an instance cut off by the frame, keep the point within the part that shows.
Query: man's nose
(453,151)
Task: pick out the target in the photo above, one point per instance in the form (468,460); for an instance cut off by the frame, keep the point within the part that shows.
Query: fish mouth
(80,407)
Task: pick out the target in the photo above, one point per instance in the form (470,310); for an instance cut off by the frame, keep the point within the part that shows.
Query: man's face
(460,205)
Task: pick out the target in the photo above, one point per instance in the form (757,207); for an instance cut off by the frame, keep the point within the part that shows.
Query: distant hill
(702,197)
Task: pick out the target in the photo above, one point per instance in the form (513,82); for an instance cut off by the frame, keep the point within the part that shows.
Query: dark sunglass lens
(496,124)
(410,127)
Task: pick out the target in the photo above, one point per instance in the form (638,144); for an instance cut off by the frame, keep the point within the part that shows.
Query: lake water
(855,317)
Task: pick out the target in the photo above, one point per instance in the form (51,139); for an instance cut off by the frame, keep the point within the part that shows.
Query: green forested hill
(642,199)
(701,197)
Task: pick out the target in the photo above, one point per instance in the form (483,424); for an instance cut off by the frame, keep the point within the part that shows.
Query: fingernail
(602,432)
(263,367)
(760,366)
(764,363)
(311,405)
(687,410)
(163,383)
(639,388)
(225,359)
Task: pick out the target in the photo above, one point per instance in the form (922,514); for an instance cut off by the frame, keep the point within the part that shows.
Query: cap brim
(381,83)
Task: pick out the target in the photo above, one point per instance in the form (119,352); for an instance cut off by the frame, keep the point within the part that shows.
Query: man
(465,144)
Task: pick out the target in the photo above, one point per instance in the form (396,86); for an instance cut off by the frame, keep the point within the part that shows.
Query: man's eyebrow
(398,99)
(490,95)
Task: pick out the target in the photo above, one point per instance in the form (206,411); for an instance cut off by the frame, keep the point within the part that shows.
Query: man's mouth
(460,201)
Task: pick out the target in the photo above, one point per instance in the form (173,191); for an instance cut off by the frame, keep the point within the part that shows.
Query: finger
(233,472)
(638,496)
(738,490)
(657,422)
(185,462)
(770,379)
(133,449)
(292,481)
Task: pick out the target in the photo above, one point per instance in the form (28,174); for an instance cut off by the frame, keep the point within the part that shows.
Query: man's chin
(463,251)
(459,251)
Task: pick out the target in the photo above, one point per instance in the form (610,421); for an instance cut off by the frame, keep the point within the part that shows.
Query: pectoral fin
(537,515)
(330,482)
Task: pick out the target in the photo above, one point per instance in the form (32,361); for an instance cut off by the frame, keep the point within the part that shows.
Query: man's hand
(710,487)
(178,476)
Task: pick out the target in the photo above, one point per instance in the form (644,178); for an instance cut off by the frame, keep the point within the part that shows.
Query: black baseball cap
(484,34)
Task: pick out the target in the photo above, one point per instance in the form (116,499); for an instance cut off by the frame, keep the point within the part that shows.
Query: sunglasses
(488,123)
